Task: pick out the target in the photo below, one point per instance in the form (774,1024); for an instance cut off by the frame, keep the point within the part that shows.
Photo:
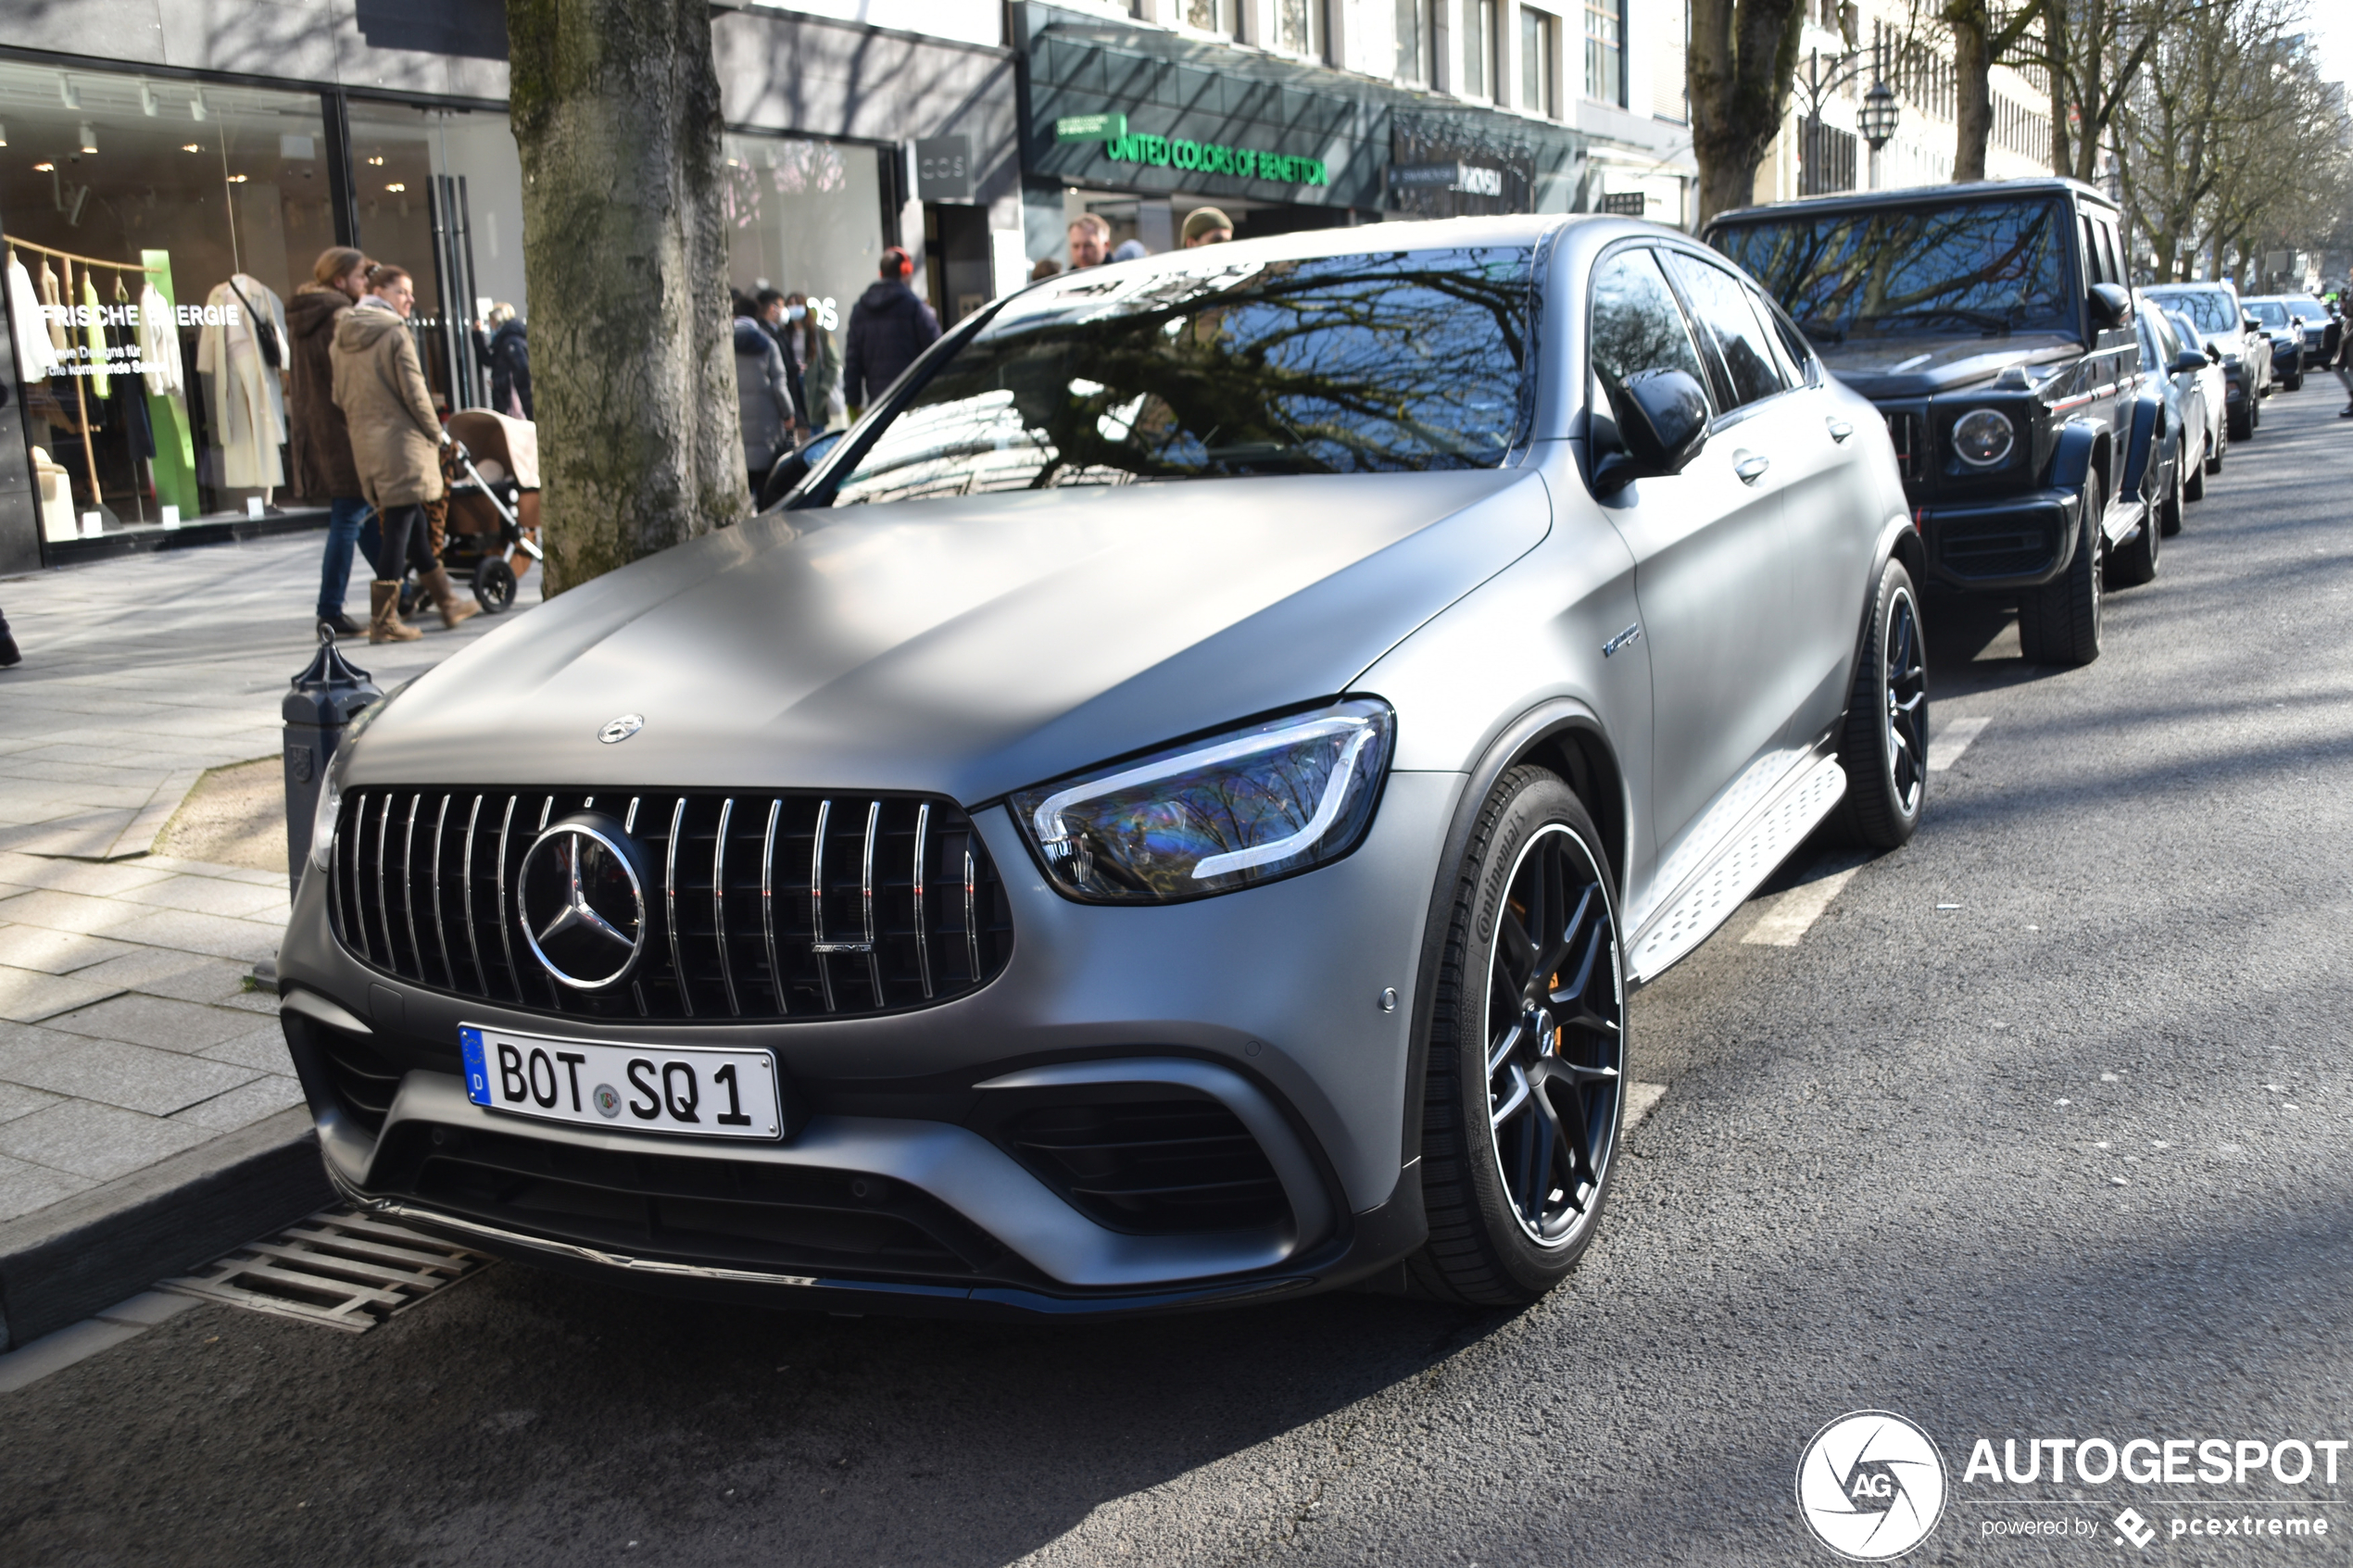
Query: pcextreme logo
(1871,1486)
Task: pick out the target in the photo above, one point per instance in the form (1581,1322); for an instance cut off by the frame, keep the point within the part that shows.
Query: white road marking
(1788,914)
(1951,739)
(1639,1099)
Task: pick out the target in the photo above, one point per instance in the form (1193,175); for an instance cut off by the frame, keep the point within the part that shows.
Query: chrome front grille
(761,907)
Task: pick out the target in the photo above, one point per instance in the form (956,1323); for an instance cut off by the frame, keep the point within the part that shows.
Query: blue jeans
(345,514)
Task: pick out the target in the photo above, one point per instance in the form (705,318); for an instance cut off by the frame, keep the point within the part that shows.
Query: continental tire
(1524,1088)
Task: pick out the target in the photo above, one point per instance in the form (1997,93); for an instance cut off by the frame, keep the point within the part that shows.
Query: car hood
(1922,365)
(967,646)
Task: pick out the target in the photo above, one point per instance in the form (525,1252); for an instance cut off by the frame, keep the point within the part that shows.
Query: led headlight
(1214,815)
(1983,437)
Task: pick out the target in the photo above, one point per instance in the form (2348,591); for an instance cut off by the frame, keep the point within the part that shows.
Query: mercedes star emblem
(621,728)
(583,906)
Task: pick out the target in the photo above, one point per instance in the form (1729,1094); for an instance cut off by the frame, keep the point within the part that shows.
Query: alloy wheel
(1555,1045)
(1906,703)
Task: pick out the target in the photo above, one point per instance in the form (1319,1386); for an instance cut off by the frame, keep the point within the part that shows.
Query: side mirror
(2249,324)
(2189,361)
(2111,306)
(793,466)
(2214,354)
(1662,420)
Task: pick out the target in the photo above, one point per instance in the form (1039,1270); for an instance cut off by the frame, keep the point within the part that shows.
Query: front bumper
(2018,541)
(903,1189)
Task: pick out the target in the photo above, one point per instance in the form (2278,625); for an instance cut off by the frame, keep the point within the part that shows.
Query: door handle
(1750,466)
(1840,429)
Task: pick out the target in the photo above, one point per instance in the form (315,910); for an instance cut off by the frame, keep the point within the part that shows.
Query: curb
(62,1263)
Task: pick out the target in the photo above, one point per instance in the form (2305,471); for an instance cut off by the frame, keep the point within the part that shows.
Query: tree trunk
(1972,71)
(616,114)
(1743,54)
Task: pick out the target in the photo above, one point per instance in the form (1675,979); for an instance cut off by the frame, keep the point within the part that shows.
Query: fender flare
(1548,720)
(2082,443)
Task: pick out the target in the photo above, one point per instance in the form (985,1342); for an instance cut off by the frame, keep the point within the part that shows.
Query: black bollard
(327,696)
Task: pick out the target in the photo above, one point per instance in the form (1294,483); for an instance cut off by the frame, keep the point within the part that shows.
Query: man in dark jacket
(889,328)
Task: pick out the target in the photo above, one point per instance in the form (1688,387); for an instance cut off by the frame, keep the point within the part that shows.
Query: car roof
(2204,285)
(1924,195)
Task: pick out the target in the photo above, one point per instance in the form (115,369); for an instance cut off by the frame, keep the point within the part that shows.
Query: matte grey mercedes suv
(1169,811)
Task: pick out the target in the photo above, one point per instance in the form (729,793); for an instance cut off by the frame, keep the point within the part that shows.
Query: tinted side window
(1637,324)
(1744,358)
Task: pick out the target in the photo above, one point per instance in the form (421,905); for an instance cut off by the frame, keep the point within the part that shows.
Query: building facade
(1849,45)
(168,173)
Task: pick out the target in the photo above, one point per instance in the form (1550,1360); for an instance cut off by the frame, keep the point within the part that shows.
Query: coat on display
(380,386)
(889,328)
(248,403)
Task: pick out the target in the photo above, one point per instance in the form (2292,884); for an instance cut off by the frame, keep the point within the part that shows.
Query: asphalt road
(2040,1131)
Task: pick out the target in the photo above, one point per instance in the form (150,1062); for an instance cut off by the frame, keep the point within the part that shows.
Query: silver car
(1170,811)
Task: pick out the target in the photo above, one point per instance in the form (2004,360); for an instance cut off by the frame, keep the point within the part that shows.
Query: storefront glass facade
(805,217)
(150,226)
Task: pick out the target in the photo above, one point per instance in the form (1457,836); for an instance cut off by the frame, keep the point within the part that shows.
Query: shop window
(1605,51)
(150,227)
(440,193)
(806,217)
(1538,52)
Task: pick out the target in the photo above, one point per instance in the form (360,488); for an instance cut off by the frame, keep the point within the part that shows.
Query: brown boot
(385,624)
(445,598)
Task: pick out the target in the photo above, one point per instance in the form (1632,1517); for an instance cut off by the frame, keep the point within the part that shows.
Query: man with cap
(1206,226)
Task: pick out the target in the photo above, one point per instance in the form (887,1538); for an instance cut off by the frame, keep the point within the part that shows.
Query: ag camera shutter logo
(1871,1486)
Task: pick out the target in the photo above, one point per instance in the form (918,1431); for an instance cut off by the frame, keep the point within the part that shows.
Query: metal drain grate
(348,1271)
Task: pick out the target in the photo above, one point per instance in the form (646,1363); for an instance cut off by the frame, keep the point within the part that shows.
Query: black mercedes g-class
(1992,325)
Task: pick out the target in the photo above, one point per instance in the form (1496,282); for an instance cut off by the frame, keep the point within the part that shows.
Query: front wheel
(2134,563)
(2195,469)
(2294,383)
(1524,1087)
(1885,747)
(494,584)
(2060,622)
(2241,423)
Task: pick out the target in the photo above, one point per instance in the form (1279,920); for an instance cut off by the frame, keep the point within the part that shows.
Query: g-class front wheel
(1524,1087)
(2060,622)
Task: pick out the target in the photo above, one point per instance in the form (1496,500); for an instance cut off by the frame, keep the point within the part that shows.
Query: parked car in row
(2212,395)
(2165,445)
(1169,809)
(1991,327)
(2285,332)
(2238,341)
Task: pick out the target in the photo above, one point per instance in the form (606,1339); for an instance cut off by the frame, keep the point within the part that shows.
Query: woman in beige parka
(395,443)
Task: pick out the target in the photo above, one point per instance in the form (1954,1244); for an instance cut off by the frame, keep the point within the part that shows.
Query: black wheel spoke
(1554,1047)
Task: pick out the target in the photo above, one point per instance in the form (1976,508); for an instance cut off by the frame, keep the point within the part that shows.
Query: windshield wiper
(1990,322)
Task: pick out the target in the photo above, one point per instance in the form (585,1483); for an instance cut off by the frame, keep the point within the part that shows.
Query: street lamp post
(1876,120)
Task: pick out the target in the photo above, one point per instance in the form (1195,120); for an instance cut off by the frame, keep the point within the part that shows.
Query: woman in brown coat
(396,444)
(316,438)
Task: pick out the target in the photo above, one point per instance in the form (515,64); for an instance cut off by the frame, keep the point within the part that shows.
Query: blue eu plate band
(477,1070)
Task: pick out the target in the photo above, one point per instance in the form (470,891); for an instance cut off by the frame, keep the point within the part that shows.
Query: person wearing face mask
(773,317)
(812,351)
(317,440)
(396,444)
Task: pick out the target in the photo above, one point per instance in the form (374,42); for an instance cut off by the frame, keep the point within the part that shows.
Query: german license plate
(691,1092)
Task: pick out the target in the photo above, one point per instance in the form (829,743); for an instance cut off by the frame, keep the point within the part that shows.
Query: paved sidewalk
(128,1030)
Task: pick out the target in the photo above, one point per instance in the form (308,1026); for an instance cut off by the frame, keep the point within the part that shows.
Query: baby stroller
(492,465)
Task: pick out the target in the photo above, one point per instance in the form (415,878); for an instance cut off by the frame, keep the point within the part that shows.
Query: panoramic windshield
(2270,312)
(1352,364)
(1984,267)
(2210,309)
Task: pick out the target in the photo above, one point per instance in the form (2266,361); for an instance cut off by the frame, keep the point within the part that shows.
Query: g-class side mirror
(2111,306)
(2189,361)
(1662,422)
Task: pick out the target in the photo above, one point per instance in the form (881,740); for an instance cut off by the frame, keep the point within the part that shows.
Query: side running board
(1751,852)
